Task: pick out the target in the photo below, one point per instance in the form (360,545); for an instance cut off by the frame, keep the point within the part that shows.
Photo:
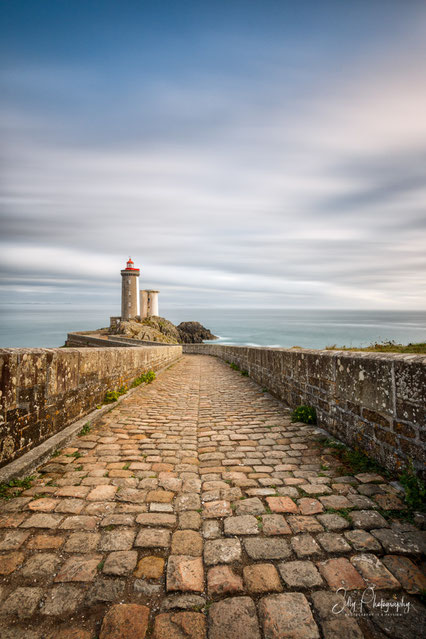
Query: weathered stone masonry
(375,401)
(43,390)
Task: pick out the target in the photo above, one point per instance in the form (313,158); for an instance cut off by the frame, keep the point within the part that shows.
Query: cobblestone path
(196,509)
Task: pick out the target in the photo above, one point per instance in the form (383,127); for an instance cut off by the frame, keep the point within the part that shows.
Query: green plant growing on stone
(78,468)
(145,378)
(354,460)
(401,515)
(304,414)
(110,397)
(360,463)
(126,466)
(6,489)
(56,453)
(244,373)
(40,495)
(234,367)
(85,430)
(75,454)
(415,488)
(343,512)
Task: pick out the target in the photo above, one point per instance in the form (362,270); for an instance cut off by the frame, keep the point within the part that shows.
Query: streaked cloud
(253,169)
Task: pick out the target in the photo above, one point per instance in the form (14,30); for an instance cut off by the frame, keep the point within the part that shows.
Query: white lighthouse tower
(149,303)
(129,291)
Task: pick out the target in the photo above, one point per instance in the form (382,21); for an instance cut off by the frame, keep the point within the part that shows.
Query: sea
(46,325)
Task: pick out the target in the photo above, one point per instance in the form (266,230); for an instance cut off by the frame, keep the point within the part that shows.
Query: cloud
(280,182)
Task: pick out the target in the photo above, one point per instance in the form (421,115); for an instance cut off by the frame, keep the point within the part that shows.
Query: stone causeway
(195,509)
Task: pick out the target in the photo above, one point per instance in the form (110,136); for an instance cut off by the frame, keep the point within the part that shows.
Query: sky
(253,153)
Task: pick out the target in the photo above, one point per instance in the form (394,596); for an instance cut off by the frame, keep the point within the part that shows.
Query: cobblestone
(287,616)
(125,621)
(233,618)
(222,580)
(199,485)
(185,573)
(180,625)
(300,574)
(262,578)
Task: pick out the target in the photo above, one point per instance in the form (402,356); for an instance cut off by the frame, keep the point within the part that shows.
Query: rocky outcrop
(158,329)
(194,333)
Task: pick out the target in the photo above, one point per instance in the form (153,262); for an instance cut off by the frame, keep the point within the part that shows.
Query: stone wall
(43,390)
(87,339)
(373,401)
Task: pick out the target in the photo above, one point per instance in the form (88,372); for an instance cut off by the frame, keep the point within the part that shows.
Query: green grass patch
(76,455)
(415,488)
(85,430)
(353,461)
(145,378)
(110,397)
(386,346)
(343,512)
(406,515)
(304,414)
(6,488)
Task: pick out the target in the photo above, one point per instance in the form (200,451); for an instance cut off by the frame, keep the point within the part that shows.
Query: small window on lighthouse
(130,303)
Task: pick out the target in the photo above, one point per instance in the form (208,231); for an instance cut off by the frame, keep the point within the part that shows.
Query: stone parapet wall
(373,401)
(87,340)
(44,390)
(130,341)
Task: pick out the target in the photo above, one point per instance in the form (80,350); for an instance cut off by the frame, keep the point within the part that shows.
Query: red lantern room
(130,266)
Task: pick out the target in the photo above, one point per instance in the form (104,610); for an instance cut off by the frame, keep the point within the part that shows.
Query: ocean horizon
(46,325)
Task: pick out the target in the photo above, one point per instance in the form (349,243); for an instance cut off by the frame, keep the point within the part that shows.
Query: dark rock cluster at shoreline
(159,329)
(194,333)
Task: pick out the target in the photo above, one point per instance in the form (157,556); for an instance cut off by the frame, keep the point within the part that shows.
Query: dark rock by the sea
(194,333)
(158,329)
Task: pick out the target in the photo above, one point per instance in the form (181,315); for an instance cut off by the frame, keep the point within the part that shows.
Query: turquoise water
(47,325)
